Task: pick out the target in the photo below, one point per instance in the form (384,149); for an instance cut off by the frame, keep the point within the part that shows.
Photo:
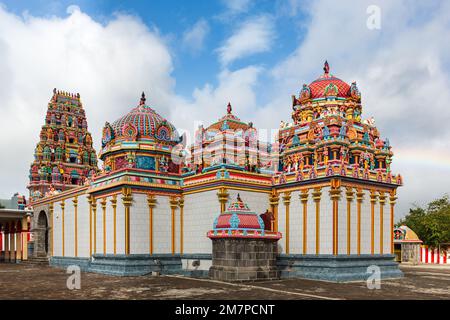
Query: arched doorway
(41,235)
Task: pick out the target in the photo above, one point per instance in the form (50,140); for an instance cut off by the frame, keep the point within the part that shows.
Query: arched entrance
(41,235)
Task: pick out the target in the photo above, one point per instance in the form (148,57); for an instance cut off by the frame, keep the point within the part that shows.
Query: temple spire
(142,99)
(326,67)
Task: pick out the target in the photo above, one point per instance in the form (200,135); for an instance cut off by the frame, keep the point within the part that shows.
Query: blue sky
(173,17)
(193,57)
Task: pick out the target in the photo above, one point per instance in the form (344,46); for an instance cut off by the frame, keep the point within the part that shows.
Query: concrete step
(36,261)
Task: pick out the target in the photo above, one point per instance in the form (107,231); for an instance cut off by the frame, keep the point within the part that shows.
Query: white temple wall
(110,226)
(98,227)
(120,227)
(388,233)
(200,210)
(376,221)
(162,226)
(139,225)
(365,223)
(311,225)
(354,225)
(57,231)
(295,224)
(69,228)
(326,222)
(83,226)
(342,223)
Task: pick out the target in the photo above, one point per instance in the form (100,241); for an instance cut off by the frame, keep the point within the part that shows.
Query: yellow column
(373,201)
(392,200)
(287,201)
(151,201)
(316,197)
(24,237)
(304,199)
(223,198)
(114,206)
(127,200)
(382,198)
(103,204)
(75,206)
(94,211)
(181,204)
(359,200)
(349,195)
(273,201)
(173,206)
(51,212)
(335,194)
(90,201)
(62,226)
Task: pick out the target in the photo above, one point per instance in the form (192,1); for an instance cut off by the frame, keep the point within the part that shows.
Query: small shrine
(242,249)
(406,245)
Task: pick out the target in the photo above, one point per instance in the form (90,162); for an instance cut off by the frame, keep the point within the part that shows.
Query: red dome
(319,86)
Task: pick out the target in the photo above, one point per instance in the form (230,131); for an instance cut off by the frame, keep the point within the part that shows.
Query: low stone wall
(240,261)
(341,268)
(123,265)
(244,259)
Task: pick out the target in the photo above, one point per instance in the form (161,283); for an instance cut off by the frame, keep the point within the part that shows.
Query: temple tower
(64,156)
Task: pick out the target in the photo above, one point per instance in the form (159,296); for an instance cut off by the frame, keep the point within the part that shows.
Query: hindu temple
(64,156)
(323,190)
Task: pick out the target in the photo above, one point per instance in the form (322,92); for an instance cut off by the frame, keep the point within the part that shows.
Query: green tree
(431,224)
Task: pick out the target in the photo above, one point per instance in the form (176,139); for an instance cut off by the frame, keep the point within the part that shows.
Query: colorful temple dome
(144,123)
(141,139)
(328,86)
(238,221)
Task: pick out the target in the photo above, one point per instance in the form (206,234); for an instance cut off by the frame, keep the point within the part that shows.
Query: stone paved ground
(37,282)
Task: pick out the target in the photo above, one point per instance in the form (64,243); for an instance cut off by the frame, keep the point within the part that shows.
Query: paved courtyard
(38,282)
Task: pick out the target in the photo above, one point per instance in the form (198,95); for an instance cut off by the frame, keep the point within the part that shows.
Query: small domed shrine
(243,250)
(64,157)
(406,245)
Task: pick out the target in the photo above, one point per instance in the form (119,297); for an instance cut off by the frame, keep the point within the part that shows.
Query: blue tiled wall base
(135,264)
(123,265)
(64,262)
(341,268)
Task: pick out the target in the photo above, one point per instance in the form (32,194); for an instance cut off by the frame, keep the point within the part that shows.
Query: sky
(193,57)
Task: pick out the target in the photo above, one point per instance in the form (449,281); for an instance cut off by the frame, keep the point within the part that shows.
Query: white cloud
(209,103)
(109,65)
(253,36)
(237,6)
(194,38)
